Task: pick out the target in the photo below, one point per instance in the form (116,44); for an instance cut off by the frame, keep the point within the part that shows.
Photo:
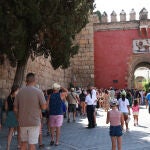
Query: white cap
(56,86)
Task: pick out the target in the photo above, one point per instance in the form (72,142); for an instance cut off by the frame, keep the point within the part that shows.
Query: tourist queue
(26,108)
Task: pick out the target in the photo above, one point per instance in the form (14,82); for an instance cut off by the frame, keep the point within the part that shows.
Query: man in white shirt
(94,97)
(90,109)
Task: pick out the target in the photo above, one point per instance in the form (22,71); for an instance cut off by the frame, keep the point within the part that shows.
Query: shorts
(125,113)
(30,134)
(115,130)
(72,108)
(55,120)
(136,113)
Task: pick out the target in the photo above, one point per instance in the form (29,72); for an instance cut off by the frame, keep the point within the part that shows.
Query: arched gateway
(120,48)
(143,60)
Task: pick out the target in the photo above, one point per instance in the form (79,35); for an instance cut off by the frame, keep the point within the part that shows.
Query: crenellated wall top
(143,15)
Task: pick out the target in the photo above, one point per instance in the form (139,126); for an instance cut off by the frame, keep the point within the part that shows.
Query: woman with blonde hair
(106,100)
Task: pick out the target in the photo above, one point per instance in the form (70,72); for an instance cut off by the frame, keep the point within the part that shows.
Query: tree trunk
(19,75)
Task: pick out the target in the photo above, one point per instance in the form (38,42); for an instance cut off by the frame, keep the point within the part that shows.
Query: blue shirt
(55,104)
(148,98)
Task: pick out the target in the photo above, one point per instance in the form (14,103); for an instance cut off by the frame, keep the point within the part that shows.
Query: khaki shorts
(30,134)
(136,113)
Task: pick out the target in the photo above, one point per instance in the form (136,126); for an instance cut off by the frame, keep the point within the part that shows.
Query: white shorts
(30,134)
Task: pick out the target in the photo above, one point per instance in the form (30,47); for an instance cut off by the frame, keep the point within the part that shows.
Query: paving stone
(75,136)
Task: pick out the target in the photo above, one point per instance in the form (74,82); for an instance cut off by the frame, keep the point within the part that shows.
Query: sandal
(52,143)
(56,144)
(41,146)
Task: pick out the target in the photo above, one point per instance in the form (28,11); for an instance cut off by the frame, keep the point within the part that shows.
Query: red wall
(111,53)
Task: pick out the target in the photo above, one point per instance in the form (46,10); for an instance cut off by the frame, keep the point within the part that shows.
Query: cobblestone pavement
(75,136)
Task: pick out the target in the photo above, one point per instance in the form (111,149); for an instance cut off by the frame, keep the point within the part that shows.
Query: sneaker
(74,120)
(68,120)
(56,144)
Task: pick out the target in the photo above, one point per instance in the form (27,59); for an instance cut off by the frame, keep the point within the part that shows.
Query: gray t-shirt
(28,102)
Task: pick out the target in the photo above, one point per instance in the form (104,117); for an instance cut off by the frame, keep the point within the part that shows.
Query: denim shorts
(115,131)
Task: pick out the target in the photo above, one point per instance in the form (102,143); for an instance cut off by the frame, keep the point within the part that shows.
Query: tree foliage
(31,28)
(98,13)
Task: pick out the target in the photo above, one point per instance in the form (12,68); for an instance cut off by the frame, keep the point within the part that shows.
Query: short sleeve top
(123,105)
(89,100)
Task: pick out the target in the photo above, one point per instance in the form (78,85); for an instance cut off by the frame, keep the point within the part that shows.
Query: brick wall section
(6,79)
(83,63)
(45,74)
(80,73)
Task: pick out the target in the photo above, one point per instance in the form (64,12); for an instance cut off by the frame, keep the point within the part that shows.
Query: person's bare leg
(24,146)
(57,135)
(74,116)
(52,133)
(9,138)
(84,108)
(119,143)
(134,120)
(113,141)
(137,120)
(18,137)
(32,147)
(125,119)
(40,139)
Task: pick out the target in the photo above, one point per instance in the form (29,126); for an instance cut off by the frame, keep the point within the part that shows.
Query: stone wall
(80,73)
(45,75)
(83,63)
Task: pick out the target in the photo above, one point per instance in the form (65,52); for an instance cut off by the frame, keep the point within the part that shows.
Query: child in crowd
(135,111)
(116,120)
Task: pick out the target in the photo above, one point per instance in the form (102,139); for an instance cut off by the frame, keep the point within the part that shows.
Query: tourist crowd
(27,108)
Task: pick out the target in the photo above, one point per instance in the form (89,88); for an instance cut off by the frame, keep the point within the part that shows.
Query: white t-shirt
(89,100)
(123,105)
(94,96)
